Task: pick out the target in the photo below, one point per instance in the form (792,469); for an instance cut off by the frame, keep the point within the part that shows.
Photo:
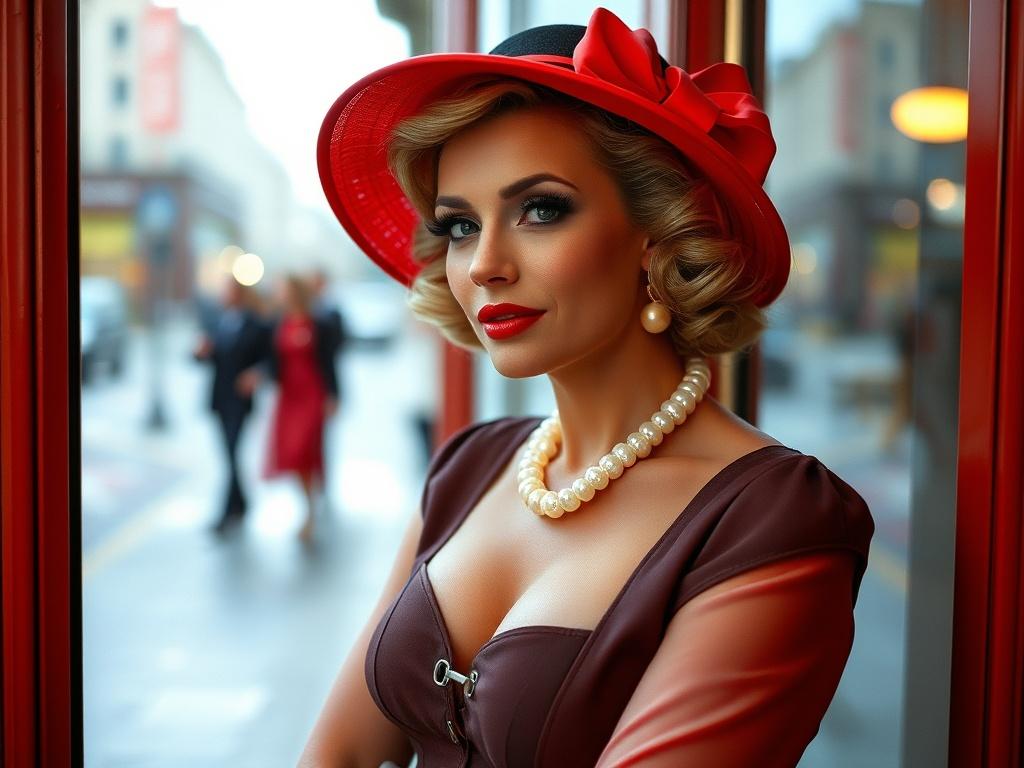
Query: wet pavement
(202,651)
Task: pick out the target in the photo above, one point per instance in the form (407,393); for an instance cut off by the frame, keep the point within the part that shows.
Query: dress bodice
(546,695)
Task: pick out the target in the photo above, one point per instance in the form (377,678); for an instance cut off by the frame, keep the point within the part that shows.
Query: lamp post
(156,217)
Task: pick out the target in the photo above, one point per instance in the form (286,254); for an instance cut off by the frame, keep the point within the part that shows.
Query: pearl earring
(655,316)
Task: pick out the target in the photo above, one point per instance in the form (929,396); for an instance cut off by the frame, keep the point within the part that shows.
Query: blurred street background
(198,127)
(204,651)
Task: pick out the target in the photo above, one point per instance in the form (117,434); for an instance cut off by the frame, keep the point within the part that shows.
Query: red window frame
(40,553)
(988,603)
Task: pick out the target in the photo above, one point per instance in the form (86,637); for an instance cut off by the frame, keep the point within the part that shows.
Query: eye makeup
(560,203)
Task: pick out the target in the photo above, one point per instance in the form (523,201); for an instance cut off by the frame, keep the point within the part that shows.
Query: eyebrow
(506,192)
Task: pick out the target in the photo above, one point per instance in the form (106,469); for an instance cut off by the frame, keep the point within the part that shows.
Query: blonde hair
(300,289)
(695,269)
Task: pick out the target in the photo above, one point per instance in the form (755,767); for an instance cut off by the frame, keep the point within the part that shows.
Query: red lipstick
(500,321)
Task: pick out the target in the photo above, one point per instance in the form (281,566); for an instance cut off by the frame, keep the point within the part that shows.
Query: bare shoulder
(713,435)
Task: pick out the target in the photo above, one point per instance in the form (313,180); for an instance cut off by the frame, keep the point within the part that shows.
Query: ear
(645,260)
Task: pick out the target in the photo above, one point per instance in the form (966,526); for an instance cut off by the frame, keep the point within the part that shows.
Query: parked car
(103,326)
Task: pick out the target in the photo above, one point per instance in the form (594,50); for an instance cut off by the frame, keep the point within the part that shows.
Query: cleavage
(471,604)
(545,581)
(486,582)
(461,661)
(564,573)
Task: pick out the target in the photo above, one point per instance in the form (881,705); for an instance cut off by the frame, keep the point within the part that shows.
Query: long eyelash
(442,226)
(559,201)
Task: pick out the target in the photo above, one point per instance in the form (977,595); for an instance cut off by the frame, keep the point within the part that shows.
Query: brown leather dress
(550,696)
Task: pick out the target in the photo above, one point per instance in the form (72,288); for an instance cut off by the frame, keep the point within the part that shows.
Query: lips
(494,312)
(502,321)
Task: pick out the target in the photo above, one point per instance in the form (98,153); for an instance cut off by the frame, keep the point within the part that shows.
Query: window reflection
(198,127)
(860,361)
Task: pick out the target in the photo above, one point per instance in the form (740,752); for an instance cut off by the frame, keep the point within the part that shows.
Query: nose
(493,261)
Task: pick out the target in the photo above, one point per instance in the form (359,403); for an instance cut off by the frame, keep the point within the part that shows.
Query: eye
(545,209)
(461,228)
(544,214)
(454,228)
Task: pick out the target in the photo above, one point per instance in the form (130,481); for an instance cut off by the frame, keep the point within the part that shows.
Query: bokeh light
(248,269)
(934,114)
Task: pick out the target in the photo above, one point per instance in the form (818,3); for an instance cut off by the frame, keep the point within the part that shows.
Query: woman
(302,361)
(578,590)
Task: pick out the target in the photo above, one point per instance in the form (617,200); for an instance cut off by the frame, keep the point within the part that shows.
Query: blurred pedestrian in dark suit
(326,311)
(235,342)
(302,363)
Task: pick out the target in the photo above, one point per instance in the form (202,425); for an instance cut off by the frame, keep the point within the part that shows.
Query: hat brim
(351,157)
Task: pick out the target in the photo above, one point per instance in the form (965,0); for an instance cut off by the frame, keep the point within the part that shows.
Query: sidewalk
(201,652)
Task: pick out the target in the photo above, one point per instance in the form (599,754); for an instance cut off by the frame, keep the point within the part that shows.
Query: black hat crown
(548,40)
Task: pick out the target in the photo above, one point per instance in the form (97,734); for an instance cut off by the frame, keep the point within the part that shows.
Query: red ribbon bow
(717,99)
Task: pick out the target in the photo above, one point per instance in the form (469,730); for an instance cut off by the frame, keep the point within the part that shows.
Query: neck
(603,398)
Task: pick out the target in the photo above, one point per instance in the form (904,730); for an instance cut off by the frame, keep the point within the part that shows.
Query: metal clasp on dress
(451,732)
(443,672)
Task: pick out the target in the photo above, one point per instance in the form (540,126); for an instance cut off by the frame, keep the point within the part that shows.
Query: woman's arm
(745,671)
(351,732)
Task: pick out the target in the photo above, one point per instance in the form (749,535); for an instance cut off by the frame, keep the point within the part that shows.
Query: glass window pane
(198,130)
(860,362)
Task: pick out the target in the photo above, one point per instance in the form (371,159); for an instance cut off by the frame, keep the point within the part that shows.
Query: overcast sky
(289,62)
(288,66)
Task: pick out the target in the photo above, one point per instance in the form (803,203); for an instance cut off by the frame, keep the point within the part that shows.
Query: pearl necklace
(546,439)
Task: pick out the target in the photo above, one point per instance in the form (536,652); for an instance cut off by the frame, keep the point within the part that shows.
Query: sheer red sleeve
(745,671)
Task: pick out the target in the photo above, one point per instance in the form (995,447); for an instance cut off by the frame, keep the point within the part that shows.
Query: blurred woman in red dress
(302,362)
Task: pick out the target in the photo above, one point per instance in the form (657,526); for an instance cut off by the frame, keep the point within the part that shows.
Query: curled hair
(695,269)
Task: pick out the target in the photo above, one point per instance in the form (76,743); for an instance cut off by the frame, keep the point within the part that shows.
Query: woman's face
(287,300)
(535,221)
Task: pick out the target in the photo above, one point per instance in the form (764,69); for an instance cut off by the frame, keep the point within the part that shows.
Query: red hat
(710,116)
